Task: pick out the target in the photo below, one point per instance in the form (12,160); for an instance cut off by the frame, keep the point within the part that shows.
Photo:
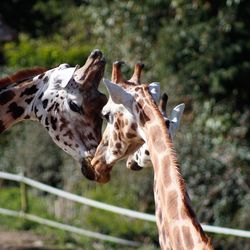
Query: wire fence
(100,205)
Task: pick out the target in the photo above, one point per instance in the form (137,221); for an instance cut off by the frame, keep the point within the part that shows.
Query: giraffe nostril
(96,53)
(119,63)
(134,166)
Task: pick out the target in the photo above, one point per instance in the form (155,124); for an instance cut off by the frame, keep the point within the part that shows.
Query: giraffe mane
(21,76)
(173,156)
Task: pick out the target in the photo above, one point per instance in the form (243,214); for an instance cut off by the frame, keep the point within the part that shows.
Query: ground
(22,240)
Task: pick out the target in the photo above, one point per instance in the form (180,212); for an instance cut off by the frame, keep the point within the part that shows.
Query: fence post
(24,196)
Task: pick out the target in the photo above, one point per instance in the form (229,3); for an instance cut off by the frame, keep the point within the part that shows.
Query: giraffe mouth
(102,173)
(98,173)
(87,169)
(134,166)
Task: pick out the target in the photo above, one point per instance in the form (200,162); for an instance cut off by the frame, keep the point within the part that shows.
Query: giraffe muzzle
(87,169)
(134,166)
(98,173)
(96,54)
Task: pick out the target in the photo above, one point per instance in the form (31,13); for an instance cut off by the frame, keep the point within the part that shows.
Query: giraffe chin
(103,178)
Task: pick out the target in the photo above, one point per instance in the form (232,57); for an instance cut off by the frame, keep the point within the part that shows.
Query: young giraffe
(134,118)
(141,158)
(64,100)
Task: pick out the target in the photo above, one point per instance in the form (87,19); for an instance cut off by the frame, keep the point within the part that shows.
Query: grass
(93,219)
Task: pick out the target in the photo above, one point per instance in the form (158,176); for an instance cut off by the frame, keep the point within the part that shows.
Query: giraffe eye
(74,107)
(167,122)
(107,117)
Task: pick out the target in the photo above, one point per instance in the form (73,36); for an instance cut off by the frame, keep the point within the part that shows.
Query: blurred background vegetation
(200,53)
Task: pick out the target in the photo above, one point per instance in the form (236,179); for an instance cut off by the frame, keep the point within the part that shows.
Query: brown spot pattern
(187,237)
(115,136)
(15,110)
(154,132)
(64,123)
(160,146)
(178,241)
(165,237)
(134,126)
(166,171)
(6,97)
(130,135)
(116,125)
(29,91)
(172,203)
(148,112)
(143,117)
(69,134)
(90,136)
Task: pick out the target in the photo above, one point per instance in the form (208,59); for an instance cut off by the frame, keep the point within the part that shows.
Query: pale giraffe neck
(17,103)
(176,221)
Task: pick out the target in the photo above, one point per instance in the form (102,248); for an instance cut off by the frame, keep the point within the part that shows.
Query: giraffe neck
(176,220)
(17,103)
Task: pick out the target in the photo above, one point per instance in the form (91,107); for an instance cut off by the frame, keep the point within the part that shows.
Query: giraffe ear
(154,89)
(118,94)
(175,118)
(64,75)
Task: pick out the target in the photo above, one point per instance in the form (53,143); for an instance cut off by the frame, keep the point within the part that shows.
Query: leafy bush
(29,52)
(199,51)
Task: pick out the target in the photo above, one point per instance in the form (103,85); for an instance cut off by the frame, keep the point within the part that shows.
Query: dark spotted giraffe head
(66,101)
(141,158)
(123,112)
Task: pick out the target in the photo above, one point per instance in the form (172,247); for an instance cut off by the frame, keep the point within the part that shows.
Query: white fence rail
(69,228)
(111,208)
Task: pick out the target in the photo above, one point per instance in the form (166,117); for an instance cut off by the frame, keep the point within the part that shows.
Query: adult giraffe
(65,100)
(134,118)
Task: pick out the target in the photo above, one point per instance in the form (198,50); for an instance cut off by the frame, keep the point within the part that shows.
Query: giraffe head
(71,108)
(66,101)
(141,158)
(126,115)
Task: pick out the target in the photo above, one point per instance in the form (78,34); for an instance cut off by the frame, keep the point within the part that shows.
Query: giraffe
(65,100)
(134,118)
(141,158)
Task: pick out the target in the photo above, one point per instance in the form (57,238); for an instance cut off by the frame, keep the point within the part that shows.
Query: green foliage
(117,193)
(34,17)
(29,52)
(206,46)
(10,199)
(29,150)
(112,23)
(199,51)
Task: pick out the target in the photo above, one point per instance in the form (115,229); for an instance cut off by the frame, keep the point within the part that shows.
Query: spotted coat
(65,100)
